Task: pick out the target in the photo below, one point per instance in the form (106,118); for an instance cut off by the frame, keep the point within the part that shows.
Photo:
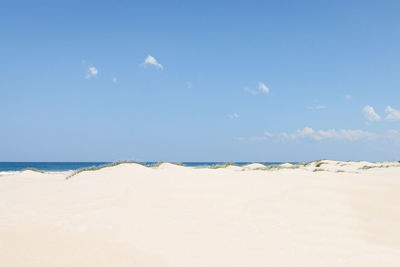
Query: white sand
(130,215)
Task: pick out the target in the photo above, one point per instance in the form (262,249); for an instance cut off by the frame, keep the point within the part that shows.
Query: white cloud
(268,134)
(92,72)
(319,135)
(333,134)
(265,136)
(370,113)
(263,88)
(233,116)
(317,107)
(393,114)
(251,91)
(152,61)
(348,97)
(354,135)
(115,80)
(256,138)
(307,131)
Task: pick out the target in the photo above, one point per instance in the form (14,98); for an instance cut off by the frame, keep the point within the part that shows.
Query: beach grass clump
(316,162)
(303,163)
(319,170)
(222,165)
(319,164)
(366,167)
(96,168)
(280,167)
(274,167)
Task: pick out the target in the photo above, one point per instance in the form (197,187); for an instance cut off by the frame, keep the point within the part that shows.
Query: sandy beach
(325,213)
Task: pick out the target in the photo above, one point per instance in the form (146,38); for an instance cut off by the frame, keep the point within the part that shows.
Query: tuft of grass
(372,167)
(369,167)
(279,167)
(340,171)
(319,170)
(319,164)
(223,165)
(95,168)
(314,161)
(303,163)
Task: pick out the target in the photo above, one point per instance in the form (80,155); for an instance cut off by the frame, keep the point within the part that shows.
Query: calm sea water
(67,166)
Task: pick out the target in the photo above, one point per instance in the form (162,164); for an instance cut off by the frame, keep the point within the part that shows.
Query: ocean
(71,166)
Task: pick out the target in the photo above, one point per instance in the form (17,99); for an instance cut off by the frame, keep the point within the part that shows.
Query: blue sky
(199,80)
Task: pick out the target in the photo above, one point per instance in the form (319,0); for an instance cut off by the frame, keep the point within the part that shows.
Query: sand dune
(324,213)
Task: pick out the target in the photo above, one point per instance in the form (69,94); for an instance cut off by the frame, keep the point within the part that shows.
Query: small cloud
(263,88)
(233,116)
(348,97)
(268,134)
(265,136)
(114,80)
(317,107)
(330,134)
(251,91)
(152,61)
(370,114)
(393,114)
(349,135)
(92,72)
(308,133)
(189,85)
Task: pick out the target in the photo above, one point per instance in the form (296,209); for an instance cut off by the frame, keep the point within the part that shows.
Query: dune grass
(222,165)
(318,161)
(319,164)
(366,167)
(96,168)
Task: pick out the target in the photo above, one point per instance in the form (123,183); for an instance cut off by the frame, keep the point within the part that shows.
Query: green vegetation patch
(96,168)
